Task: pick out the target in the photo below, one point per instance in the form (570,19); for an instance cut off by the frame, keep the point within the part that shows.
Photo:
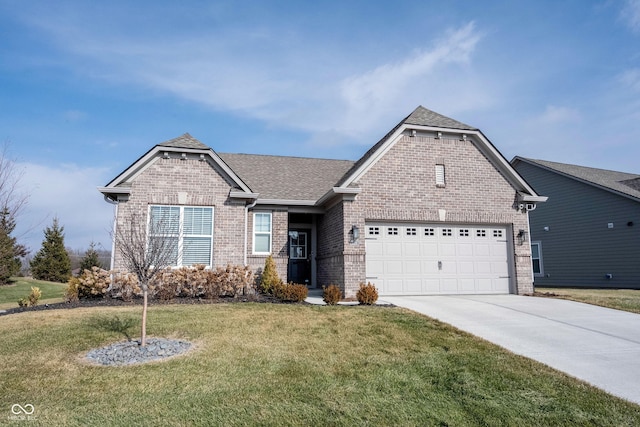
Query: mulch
(116,302)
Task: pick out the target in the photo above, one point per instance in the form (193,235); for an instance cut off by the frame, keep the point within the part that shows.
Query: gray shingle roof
(287,178)
(620,182)
(424,117)
(185,141)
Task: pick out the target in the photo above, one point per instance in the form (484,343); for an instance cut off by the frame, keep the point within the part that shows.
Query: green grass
(619,299)
(273,364)
(21,287)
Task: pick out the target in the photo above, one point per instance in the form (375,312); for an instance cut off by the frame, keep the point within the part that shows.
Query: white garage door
(431,259)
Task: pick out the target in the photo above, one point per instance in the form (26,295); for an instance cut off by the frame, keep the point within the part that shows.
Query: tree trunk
(143,339)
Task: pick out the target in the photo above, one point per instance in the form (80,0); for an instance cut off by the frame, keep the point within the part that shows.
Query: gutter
(246,226)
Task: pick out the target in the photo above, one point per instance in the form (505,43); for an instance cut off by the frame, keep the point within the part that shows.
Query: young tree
(12,202)
(90,259)
(52,262)
(146,248)
(10,250)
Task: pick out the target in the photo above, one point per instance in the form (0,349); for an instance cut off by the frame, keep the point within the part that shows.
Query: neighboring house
(432,208)
(588,233)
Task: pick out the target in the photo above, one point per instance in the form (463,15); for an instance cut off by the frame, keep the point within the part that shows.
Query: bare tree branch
(146,248)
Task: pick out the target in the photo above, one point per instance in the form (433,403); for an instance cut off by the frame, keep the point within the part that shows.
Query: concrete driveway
(598,345)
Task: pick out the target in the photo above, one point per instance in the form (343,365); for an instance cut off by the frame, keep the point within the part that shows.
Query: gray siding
(579,249)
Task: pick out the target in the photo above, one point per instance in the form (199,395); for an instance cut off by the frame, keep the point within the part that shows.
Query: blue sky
(87,87)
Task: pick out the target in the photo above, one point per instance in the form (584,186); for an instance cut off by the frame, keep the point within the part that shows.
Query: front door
(299,257)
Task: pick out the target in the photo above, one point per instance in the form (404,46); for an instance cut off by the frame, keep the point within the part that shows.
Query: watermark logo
(22,412)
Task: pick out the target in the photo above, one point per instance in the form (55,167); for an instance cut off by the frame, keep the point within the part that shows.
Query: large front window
(262,233)
(190,228)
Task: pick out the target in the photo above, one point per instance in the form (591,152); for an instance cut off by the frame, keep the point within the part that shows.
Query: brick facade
(189,182)
(401,186)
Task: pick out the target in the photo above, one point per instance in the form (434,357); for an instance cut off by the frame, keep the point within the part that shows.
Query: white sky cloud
(101,82)
(630,14)
(69,193)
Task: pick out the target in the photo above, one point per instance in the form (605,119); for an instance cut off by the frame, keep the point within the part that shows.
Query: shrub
(31,299)
(125,285)
(71,293)
(230,281)
(270,277)
(291,292)
(93,283)
(34,295)
(367,294)
(331,294)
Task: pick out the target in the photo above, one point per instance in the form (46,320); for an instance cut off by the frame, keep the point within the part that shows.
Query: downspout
(246,226)
(113,231)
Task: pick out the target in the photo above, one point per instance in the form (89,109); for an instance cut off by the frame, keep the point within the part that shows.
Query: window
(447,232)
(429,232)
(374,231)
(497,233)
(411,231)
(481,233)
(392,231)
(440,182)
(464,232)
(189,227)
(298,245)
(536,259)
(262,233)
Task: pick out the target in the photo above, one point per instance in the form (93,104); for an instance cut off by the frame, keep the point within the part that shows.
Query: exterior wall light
(522,237)
(355,233)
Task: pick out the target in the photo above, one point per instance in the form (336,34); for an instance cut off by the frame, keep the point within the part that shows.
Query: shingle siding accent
(189,183)
(401,186)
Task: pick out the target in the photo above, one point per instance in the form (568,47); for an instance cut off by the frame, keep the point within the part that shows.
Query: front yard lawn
(277,364)
(619,299)
(21,287)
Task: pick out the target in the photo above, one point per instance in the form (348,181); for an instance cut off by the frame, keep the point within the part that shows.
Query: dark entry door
(299,257)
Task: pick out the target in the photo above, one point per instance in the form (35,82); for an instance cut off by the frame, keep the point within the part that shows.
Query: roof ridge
(285,157)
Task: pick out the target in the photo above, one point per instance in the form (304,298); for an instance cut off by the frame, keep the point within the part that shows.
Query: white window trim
(181,235)
(270,233)
(539,245)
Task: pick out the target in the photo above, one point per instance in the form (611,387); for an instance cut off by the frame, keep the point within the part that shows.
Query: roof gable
(627,184)
(424,120)
(185,146)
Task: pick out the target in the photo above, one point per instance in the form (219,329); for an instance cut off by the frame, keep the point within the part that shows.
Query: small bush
(230,281)
(367,294)
(92,283)
(125,285)
(34,296)
(291,292)
(270,278)
(31,299)
(71,293)
(331,294)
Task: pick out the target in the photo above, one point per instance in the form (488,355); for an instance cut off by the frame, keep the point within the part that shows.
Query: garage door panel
(393,249)
(414,259)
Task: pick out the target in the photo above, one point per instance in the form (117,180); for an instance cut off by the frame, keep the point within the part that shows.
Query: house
(588,233)
(432,208)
